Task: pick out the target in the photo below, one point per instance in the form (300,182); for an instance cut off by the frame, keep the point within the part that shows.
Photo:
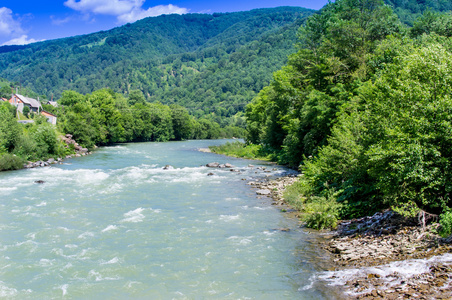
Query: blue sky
(27,21)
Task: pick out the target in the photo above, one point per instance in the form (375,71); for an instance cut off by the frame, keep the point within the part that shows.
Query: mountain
(225,58)
(409,10)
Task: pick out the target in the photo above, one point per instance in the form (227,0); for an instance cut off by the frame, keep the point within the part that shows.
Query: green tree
(182,124)
(10,130)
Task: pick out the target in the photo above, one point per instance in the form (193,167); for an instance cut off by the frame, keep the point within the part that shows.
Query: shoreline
(384,256)
(68,140)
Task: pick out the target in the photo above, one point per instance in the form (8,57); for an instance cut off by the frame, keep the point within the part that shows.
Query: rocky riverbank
(392,257)
(385,256)
(70,144)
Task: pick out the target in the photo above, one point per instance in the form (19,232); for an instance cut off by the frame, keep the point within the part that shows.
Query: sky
(28,21)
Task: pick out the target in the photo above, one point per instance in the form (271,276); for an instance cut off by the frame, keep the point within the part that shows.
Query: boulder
(213,165)
(263,192)
(227,165)
(168,167)
(39,181)
(210,174)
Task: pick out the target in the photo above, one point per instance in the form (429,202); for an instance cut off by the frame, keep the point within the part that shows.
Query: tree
(182,125)
(26,110)
(9,129)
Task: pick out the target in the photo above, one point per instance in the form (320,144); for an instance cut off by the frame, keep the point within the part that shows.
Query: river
(116,225)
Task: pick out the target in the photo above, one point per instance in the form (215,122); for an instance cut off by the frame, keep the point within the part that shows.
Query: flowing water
(115,225)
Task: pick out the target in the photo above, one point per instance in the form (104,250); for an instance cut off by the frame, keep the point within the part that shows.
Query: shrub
(293,195)
(321,213)
(10,162)
(446,223)
(239,149)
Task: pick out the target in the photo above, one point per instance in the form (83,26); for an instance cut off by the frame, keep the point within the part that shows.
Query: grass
(240,150)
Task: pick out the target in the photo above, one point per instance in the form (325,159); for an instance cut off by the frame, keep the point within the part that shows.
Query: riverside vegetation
(100,118)
(363,109)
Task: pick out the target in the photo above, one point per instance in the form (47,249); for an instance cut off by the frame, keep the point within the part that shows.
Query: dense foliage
(19,143)
(105,117)
(364,109)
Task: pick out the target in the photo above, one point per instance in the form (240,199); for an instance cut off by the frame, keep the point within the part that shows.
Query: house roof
(53,103)
(30,101)
(47,114)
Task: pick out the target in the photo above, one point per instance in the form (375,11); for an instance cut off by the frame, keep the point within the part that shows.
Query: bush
(10,162)
(293,195)
(26,147)
(321,213)
(239,149)
(446,224)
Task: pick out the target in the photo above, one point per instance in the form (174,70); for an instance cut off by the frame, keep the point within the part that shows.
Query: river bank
(69,142)
(385,256)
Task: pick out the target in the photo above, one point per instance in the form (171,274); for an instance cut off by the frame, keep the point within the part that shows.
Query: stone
(39,181)
(213,165)
(168,167)
(263,192)
(210,174)
(227,165)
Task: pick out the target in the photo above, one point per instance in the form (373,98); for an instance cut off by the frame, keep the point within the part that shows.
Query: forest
(364,111)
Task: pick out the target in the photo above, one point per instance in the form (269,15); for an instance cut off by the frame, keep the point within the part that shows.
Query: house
(53,103)
(51,118)
(20,101)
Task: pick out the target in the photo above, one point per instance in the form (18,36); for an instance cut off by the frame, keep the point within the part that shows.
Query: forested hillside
(208,63)
(364,110)
(409,10)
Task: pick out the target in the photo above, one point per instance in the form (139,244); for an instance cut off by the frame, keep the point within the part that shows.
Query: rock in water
(263,192)
(213,165)
(39,181)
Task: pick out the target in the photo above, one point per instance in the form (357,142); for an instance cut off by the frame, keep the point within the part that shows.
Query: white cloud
(138,14)
(105,7)
(125,10)
(57,21)
(22,40)
(8,26)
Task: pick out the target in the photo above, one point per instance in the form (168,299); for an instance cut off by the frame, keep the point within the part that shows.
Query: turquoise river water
(115,225)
